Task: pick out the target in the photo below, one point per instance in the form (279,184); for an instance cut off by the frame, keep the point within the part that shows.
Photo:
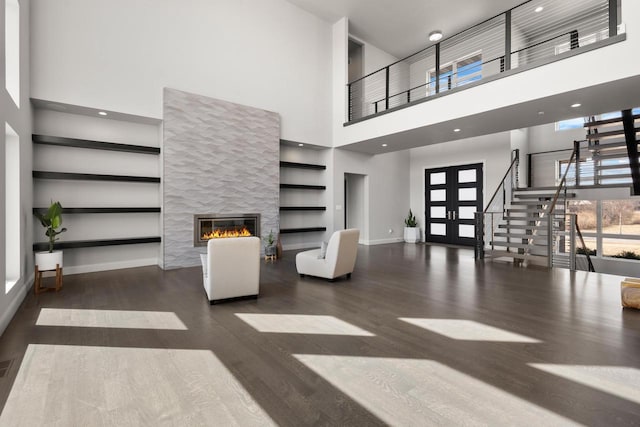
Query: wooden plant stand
(37,284)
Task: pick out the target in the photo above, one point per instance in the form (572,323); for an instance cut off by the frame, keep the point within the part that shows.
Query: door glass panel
(468,175)
(466,230)
(438,195)
(438,211)
(439,229)
(438,178)
(466,212)
(466,193)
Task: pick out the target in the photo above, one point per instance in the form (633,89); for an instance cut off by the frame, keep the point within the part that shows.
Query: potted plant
(411,230)
(51,221)
(270,247)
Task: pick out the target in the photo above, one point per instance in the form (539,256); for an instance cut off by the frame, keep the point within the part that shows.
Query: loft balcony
(530,35)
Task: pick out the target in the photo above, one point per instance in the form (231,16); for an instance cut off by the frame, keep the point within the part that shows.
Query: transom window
(457,73)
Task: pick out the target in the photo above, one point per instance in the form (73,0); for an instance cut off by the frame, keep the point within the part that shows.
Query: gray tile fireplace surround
(219,157)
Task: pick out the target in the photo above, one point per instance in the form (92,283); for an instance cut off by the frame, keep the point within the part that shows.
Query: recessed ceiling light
(384,145)
(541,113)
(539,9)
(301,145)
(436,35)
(576,105)
(102,113)
(456,130)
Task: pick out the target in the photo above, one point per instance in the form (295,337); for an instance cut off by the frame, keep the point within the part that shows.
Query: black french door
(452,196)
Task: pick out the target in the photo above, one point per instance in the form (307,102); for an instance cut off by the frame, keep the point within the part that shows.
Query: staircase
(532,225)
(522,230)
(613,144)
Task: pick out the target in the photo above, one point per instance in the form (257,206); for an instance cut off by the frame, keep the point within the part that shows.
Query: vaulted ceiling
(401,27)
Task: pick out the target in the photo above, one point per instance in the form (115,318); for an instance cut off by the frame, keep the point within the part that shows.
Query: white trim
(90,268)
(13,306)
(298,246)
(382,241)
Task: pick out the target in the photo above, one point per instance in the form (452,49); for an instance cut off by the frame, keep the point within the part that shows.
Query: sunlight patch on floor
(113,386)
(620,381)
(468,330)
(301,324)
(425,392)
(129,319)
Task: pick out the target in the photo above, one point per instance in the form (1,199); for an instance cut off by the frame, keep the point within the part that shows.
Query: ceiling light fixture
(436,35)
(541,113)
(301,145)
(384,145)
(576,105)
(456,130)
(102,113)
(539,9)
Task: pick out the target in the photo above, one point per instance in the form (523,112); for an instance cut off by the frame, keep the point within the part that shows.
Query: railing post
(529,170)
(572,243)
(550,239)
(409,96)
(516,181)
(576,147)
(350,102)
(386,89)
(613,18)
(479,250)
(437,67)
(507,42)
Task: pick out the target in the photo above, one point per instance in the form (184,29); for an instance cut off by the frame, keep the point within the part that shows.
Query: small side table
(37,284)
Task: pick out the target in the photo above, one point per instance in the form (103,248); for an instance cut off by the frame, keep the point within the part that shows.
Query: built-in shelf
(93,177)
(301,165)
(302,230)
(74,244)
(303,208)
(101,210)
(303,186)
(94,145)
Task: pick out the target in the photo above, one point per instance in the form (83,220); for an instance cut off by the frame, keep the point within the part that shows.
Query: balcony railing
(524,35)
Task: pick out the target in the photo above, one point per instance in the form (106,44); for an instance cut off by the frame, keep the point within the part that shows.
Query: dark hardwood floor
(576,319)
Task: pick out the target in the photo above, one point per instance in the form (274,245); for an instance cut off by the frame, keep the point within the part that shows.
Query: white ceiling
(401,27)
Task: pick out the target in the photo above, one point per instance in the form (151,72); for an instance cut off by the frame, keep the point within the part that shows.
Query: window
(457,73)
(579,122)
(12,207)
(610,227)
(12,49)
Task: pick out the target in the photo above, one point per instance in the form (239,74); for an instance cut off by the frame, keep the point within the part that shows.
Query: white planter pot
(412,234)
(48,260)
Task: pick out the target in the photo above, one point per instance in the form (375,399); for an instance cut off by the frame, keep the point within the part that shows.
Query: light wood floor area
(421,335)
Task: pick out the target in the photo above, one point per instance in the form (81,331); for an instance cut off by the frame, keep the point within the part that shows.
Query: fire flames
(229,232)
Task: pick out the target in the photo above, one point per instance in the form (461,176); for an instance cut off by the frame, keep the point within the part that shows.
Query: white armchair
(231,268)
(339,259)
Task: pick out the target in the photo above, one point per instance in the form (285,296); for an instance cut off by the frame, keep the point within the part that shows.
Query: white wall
(118,55)
(20,120)
(586,70)
(493,151)
(386,188)
(354,200)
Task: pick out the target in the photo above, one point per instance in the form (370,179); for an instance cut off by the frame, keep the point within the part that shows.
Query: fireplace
(216,226)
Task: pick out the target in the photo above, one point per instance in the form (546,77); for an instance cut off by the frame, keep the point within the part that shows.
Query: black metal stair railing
(526,34)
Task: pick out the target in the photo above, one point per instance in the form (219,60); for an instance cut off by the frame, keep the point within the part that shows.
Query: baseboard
(382,241)
(298,246)
(13,306)
(79,269)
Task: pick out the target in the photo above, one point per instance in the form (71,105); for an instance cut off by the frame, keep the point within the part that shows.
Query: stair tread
(606,134)
(609,167)
(607,121)
(608,146)
(502,254)
(515,245)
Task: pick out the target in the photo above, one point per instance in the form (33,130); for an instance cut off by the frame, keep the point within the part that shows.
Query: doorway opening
(354,202)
